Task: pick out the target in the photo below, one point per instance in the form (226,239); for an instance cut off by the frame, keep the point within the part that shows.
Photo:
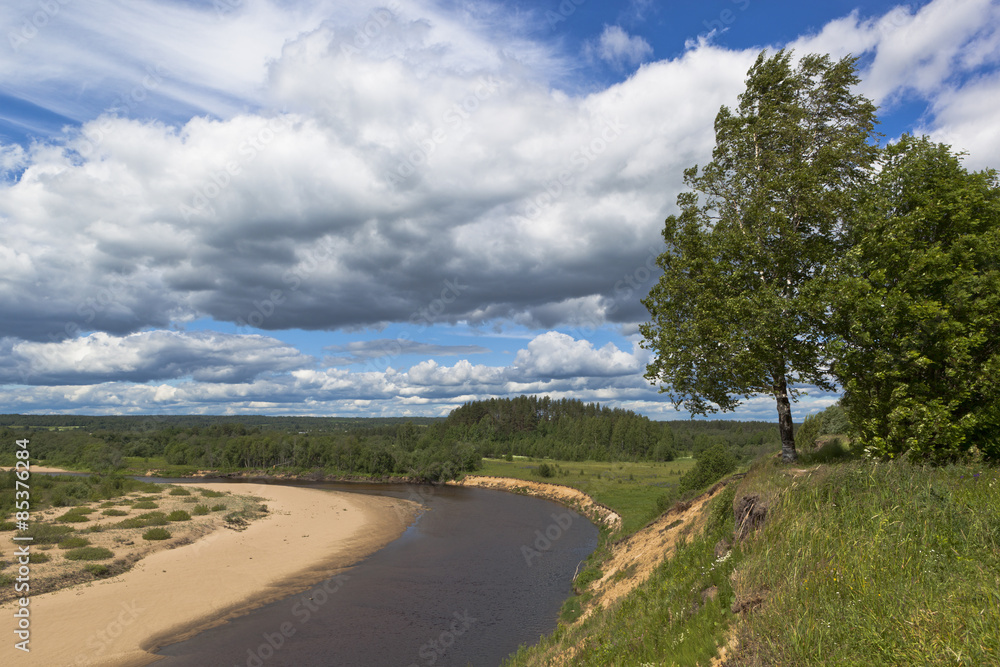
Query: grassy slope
(857,564)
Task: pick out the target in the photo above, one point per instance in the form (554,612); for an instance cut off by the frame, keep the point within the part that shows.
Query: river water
(478,574)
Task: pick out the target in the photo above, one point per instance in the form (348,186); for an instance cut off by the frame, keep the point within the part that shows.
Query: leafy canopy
(730,317)
(917,307)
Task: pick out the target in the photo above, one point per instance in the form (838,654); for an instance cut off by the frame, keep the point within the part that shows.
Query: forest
(423,448)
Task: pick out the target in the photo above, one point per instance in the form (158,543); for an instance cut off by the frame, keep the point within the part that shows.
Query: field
(637,491)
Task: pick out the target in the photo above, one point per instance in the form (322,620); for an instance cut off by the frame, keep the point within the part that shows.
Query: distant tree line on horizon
(427,449)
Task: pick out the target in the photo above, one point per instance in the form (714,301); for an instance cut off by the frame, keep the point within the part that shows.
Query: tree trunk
(788,453)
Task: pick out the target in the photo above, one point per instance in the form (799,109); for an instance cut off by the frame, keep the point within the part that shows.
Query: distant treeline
(156,422)
(430,449)
(571,430)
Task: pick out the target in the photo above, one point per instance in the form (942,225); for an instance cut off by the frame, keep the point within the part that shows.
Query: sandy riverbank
(565,495)
(308,536)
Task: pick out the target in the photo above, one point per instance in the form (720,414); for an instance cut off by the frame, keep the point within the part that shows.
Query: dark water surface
(468,583)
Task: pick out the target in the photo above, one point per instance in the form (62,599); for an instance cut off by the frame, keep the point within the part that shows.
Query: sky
(306,207)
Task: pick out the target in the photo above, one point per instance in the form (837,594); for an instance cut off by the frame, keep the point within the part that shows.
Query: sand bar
(308,536)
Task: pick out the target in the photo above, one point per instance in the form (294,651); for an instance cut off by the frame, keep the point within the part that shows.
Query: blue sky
(302,207)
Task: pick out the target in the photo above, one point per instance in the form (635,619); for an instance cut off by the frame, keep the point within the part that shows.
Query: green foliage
(179,491)
(115,512)
(7,525)
(731,315)
(45,533)
(97,569)
(545,470)
(156,534)
(208,493)
(144,505)
(36,557)
(178,515)
(200,510)
(89,553)
(221,507)
(917,308)
(73,542)
(711,466)
(144,520)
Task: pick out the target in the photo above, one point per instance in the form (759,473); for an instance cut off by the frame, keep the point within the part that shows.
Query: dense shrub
(156,534)
(179,515)
(73,542)
(178,491)
(711,465)
(89,553)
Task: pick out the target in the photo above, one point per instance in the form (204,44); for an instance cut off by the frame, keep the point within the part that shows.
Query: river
(478,574)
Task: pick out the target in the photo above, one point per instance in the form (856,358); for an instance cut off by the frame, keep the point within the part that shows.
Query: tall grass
(864,563)
(857,563)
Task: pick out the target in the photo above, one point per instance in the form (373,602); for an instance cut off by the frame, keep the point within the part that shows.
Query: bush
(113,512)
(145,520)
(212,494)
(156,534)
(97,569)
(89,553)
(7,525)
(36,557)
(73,542)
(178,491)
(221,507)
(144,505)
(712,465)
(200,510)
(545,470)
(179,515)
(72,516)
(45,533)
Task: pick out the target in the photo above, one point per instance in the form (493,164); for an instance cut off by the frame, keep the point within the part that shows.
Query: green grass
(857,563)
(144,505)
(631,489)
(208,493)
(97,569)
(114,512)
(200,510)
(178,515)
(221,507)
(89,553)
(36,557)
(179,491)
(867,564)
